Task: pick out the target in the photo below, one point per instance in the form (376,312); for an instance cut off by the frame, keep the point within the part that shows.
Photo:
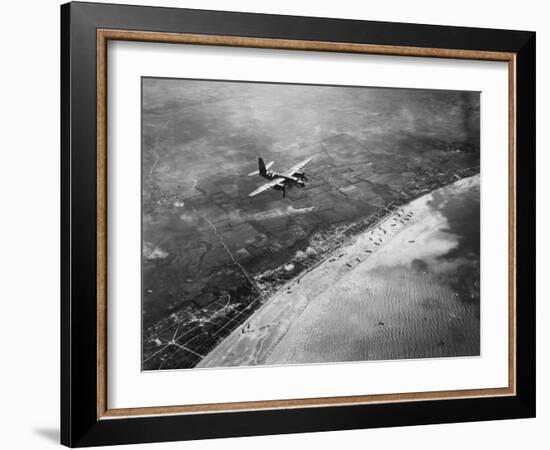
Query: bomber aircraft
(280,181)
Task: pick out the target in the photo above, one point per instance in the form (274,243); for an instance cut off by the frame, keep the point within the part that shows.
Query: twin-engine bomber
(279,181)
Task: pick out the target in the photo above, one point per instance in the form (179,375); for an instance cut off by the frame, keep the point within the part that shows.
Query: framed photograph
(276,224)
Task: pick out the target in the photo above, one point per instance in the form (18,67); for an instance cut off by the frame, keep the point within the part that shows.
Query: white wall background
(29,199)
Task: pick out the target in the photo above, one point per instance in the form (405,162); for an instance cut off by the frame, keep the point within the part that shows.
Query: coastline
(267,336)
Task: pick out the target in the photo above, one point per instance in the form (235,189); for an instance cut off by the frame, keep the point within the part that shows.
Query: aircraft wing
(298,167)
(265,187)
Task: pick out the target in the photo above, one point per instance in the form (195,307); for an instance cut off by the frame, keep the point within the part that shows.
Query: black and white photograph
(301,224)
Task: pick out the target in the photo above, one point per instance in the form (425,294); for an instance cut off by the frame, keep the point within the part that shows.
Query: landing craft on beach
(280,181)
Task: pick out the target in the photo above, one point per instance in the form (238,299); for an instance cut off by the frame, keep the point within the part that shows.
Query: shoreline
(352,230)
(253,341)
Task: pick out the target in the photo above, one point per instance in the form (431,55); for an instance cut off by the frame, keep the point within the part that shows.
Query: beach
(408,287)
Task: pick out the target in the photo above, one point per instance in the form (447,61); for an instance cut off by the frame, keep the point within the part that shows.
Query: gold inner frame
(104,35)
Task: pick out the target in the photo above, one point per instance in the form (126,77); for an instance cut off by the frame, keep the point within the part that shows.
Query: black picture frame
(80,425)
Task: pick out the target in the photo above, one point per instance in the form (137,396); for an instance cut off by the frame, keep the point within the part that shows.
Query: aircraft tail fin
(261,166)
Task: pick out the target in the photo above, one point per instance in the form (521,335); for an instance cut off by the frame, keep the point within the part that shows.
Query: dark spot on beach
(419,265)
